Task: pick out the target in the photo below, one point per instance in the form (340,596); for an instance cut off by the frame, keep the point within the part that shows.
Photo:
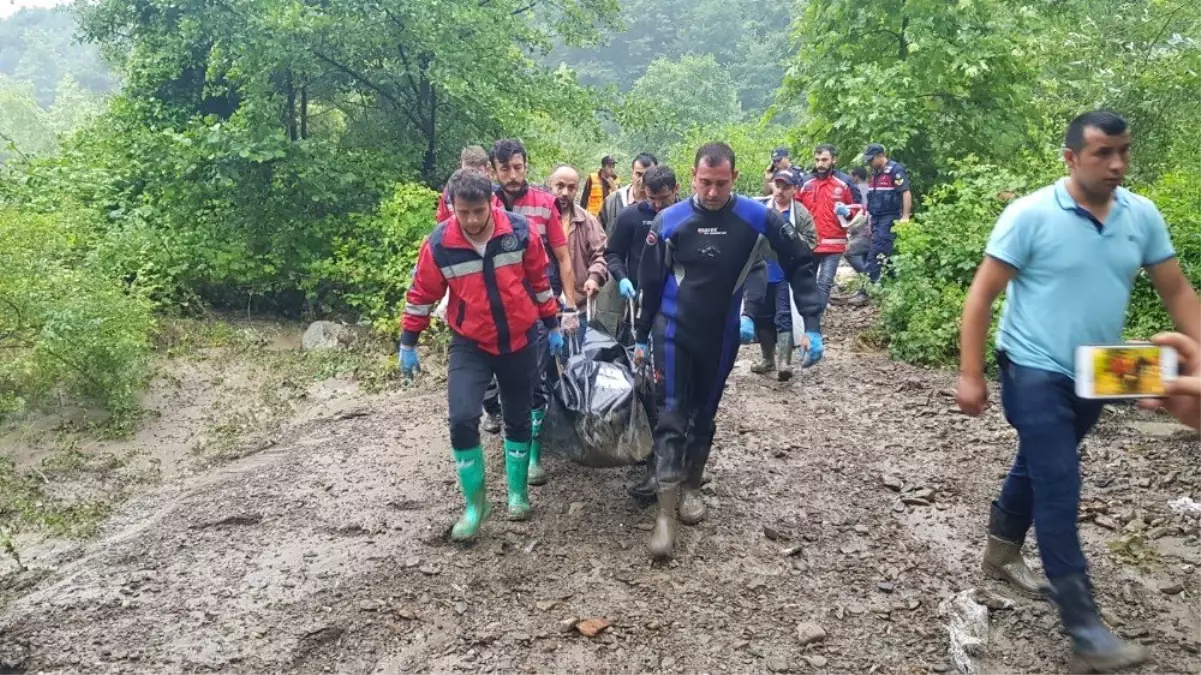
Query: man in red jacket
(830,200)
(510,163)
(495,267)
(472,157)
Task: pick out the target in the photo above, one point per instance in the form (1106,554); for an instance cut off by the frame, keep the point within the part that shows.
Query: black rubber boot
(1003,559)
(645,490)
(1095,649)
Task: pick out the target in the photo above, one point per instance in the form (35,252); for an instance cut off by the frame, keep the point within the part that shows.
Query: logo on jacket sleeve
(509,242)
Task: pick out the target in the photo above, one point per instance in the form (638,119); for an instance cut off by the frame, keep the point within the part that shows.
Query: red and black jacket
(542,211)
(820,196)
(495,300)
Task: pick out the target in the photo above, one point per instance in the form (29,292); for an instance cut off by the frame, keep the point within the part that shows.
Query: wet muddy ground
(853,498)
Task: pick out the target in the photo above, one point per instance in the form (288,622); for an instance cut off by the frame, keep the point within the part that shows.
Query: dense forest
(278,155)
(50,82)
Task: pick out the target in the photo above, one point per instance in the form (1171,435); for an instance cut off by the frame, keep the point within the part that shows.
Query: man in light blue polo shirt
(1066,256)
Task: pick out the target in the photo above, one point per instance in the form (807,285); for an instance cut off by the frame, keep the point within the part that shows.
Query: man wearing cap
(888,200)
(781,160)
(767,312)
(599,185)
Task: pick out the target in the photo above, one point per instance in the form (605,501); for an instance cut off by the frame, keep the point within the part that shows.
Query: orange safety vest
(596,196)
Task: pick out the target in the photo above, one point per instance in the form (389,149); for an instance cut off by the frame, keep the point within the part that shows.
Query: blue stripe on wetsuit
(673,216)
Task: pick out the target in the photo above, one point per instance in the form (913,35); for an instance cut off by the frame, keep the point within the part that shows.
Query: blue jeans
(882,240)
(783,302)
(1043,486)
(858,262)
(827,268)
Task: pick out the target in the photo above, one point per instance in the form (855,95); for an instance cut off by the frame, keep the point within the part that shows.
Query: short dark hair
(471,185)
(503,150)
(858,171)
(646,159)
(826,147)
(658,177)
(1109,122)
(714,154)
(474,155)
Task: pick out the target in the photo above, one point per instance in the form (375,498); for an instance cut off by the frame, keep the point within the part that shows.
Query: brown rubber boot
(1003,561)
(663,538)
(692,506)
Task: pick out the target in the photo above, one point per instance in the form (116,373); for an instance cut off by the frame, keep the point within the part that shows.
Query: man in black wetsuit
(692,276)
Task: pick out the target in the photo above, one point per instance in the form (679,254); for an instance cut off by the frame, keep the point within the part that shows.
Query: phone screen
(1132,370)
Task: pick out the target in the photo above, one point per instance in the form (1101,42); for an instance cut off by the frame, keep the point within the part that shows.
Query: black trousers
(689,386)
(547,368)
(471,370)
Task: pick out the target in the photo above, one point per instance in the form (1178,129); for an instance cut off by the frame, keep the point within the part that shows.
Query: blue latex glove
(842,210)
(627,289)
(746,330)
(640,351)
(816,349)
(555,340)
(409,363)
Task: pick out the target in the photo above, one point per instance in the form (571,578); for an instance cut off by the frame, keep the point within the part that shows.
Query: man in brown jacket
(585,236)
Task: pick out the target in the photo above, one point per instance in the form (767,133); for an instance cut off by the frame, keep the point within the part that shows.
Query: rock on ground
(330,335)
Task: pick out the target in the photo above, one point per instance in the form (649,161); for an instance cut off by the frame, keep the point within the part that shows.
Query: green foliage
(397,70)
(752,144)
(928,79)
(64,325)
(26,129)
(938,253)
(675,97)
(38,47)
(745,37)
(1177,196)
(372,263)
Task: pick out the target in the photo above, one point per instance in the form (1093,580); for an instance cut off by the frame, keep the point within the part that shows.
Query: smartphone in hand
(1126,371)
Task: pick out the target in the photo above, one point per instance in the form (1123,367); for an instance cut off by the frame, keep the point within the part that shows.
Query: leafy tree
(24,127)
(930,80)
(39,46)
(673,98)
(748,38)
(397,70)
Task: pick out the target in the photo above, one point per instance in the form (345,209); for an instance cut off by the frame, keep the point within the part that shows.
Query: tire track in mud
(327,553)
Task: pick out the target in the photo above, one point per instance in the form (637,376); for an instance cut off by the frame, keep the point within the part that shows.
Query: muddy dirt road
(324,553)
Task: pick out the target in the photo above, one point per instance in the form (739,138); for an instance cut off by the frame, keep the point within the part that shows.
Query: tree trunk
(304,110)
(428,99)
(290,113)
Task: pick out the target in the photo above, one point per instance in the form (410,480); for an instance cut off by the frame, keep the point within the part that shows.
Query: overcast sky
(10,6)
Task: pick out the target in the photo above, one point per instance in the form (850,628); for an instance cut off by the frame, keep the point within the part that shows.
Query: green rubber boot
(517,468)
(537,474)
(470,465)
